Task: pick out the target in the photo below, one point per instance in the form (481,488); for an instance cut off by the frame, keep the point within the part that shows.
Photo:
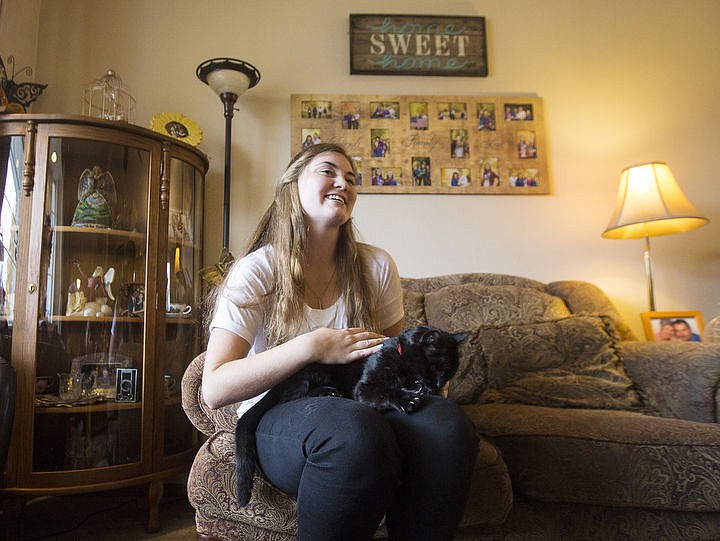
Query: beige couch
(587,433)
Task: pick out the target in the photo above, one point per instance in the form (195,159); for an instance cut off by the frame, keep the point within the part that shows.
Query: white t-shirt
(251,278)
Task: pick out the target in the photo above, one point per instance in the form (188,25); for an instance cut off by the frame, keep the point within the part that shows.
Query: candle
(167,289)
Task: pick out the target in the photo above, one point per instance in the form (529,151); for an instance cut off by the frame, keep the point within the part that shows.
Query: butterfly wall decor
(15,97)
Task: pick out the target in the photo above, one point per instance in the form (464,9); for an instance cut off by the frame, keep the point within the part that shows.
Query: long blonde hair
(283,227)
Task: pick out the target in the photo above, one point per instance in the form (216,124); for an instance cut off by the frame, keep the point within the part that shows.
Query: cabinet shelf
(119,319)
(99,232)
(109,405)
(94,319)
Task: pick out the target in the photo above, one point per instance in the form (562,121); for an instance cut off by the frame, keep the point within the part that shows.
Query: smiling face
(327,190)
(682,331)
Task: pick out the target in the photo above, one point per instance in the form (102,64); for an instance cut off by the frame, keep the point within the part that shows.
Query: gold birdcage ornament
(108,98)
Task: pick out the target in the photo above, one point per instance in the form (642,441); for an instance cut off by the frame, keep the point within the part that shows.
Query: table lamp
(649,204)
(230,79)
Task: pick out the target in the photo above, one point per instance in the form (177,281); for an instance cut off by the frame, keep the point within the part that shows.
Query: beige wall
(623,82)
(19,21)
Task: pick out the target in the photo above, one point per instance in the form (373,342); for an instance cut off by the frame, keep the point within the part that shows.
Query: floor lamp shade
(650,203)
(228,75)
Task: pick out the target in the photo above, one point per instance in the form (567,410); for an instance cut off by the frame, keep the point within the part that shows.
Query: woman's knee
(358,431)
(354,438)
(442,427)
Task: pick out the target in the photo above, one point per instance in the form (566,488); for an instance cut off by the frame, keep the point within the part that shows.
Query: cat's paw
(325,390)
(409,402)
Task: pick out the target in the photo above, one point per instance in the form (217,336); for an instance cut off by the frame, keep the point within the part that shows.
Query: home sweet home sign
(418,45)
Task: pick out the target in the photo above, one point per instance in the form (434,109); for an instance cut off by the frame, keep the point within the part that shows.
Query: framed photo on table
(684,326)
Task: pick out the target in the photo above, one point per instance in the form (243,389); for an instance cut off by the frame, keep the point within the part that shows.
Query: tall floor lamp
(649,204)
(229,78)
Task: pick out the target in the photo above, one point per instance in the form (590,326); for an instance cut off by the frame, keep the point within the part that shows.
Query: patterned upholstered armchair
(586,432)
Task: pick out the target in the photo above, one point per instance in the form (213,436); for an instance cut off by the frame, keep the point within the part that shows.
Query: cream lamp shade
(228,75)
(228,80)
(650,203)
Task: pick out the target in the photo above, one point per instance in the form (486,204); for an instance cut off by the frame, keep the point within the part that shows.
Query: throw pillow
(457,308)
(570,362)
(414,307)
(470,380)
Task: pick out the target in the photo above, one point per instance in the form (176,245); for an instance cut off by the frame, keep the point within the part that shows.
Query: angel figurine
(90,295)
(96,199)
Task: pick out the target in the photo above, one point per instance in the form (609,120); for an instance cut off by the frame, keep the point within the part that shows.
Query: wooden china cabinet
(100,257)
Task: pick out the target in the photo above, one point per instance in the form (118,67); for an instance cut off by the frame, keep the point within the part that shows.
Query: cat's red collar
(399,348)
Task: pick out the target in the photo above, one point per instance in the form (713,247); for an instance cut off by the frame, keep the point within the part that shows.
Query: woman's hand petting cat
(343,346)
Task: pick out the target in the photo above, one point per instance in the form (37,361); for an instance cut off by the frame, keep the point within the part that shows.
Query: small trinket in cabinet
(96,199)
(76,299)
(134,295)
(90,295)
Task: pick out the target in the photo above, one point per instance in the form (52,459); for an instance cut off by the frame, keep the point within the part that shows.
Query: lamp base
(649,274)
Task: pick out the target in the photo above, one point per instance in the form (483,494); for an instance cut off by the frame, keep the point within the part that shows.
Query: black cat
(416,363)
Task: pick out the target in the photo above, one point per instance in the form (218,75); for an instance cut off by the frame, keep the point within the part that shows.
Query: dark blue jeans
(348,465)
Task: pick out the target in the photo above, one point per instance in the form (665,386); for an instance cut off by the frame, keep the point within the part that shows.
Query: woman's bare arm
(230,375)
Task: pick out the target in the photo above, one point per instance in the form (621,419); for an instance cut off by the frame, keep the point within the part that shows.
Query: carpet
(107,516)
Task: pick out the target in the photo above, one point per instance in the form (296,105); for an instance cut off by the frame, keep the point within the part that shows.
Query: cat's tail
(245,448)
(245,459)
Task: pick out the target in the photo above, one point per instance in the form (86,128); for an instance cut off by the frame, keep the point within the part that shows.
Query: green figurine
(96,199)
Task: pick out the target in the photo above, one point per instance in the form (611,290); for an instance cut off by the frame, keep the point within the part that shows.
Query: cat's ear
(460,336)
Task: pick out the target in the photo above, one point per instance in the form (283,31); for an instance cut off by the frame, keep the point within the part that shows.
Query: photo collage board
(431,144)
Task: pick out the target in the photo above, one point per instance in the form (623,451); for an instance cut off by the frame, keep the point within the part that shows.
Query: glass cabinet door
(182,300)
(100,290)
(11,163)
(91,314)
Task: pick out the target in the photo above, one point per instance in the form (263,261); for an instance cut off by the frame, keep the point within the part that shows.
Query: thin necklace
(328,319)
(325,289)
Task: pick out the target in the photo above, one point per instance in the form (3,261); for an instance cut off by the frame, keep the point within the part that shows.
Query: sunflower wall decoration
(177,126)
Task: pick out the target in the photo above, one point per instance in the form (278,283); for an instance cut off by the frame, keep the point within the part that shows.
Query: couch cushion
(432,283)
(586,298)
(675,379)
(414,307)
(463,307)
(570,362)
(470,380)
(605,457)
(490,498)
